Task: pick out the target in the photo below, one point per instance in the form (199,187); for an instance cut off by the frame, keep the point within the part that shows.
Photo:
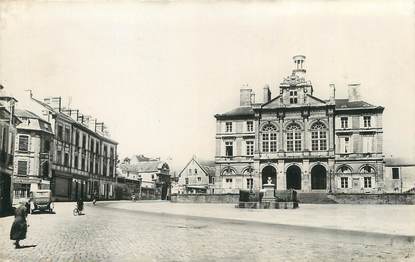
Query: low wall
(205,198)
(394,199)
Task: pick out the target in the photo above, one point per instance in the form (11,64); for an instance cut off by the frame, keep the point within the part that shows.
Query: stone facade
(32,156)
(8,122)
(197,177)
(300,141)
(84,157)
(153,176)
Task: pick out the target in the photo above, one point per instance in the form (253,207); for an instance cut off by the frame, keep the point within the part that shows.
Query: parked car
(41,200)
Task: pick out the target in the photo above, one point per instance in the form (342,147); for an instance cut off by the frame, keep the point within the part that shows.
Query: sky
(157,72)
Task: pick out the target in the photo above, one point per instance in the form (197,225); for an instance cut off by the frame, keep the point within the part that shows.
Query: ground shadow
(43,212)
(26,246)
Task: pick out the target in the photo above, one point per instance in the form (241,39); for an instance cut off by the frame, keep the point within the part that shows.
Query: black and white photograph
(207,130)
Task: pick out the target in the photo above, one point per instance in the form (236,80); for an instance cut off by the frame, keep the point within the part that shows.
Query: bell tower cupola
(295,88)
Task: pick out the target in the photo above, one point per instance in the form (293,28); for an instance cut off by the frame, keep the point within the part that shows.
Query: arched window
(293,138)
(367,170)
(344,170)
(318,137)
(269,138)
(228,171)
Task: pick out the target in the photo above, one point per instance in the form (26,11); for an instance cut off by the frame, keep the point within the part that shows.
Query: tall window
(77,138)
(59,157)
(84,141)
(367,121)
(83,164)
(46,146)
(293,97)
(344,182)
(318,137)
(66,160)
(22,168)
(250,126)
(76,162)
(229,148)
(250,148)
(60,133)
(67,135)
(23,143)
(344,122)
(228,127)
(187,181)
(293,138)
(395,172)
(367,143)
(269,138)
(249,183)
(344,145)
(367,182)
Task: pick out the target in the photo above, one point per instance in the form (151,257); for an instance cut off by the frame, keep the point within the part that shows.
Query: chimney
(354,92)
(245,99)
(267,94)
(253,98)
(332,93)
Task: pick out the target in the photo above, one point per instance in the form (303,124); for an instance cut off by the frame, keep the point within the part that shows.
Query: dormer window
(366,121)
(229,127)
(293,97)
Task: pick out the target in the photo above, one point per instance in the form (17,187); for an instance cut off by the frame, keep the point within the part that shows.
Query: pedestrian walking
(19,226)
(94,198)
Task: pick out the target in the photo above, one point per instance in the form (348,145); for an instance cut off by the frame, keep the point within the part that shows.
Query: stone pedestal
(269,193)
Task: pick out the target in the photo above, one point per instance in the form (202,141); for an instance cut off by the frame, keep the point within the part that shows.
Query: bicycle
(76,211)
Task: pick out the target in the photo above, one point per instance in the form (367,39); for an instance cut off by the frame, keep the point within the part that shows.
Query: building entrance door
(318,177)
(269,171)
(293,177)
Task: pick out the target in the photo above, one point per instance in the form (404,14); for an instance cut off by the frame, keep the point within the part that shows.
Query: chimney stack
(253,98)
(245,98)
(354,92)
(267,94)
(332,93)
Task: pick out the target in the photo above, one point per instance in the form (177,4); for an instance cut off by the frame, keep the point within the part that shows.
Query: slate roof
(207,166)
(397,161)
(345,103)
(239,111)
(25,113)
(38,124)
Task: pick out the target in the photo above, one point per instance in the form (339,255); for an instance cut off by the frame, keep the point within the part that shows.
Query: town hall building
(300,141)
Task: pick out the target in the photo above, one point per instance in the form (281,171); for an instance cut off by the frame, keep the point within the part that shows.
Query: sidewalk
(384,219)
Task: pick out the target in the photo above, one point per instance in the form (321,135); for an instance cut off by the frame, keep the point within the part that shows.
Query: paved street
(119,231)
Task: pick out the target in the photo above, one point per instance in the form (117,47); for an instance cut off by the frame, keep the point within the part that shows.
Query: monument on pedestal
(269,192)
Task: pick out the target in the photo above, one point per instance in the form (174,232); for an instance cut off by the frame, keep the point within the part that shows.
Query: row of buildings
(61,149)
(300,142)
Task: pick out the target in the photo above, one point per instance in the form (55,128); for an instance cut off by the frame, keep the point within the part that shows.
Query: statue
(269,181)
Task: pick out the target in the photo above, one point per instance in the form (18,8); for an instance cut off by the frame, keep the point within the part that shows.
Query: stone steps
(314,198)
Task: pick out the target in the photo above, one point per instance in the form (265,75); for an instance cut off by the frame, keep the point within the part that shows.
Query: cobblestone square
(117,231)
